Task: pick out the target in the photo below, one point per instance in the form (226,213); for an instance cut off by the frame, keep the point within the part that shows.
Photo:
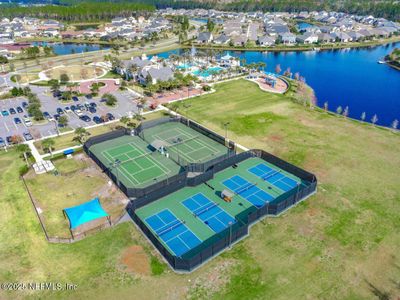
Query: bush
(23,170)
(206,88)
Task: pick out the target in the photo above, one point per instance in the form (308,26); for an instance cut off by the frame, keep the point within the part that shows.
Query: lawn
(342,243)
(75,72)
(78,181)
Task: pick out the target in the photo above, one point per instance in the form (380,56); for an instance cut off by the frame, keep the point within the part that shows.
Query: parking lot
(10,126)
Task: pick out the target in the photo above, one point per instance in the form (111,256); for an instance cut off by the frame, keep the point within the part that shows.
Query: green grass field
(342,243)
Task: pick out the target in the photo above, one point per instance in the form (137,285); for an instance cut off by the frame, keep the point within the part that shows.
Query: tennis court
(192,215)
(248,191)
(173,232)
(184,143)
(209,212)
(130,159)
(273,176)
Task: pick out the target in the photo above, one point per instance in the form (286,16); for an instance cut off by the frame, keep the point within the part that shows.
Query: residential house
(307,38)
(205,37)
(266,40)
(288,38)
(222,39)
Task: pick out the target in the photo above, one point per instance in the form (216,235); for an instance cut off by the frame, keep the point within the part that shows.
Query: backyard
(342,243)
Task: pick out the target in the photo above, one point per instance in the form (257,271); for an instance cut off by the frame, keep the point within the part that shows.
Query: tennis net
(170,227)
(136,158)
(244,188)
(181,141)
(266,176)
(205,209)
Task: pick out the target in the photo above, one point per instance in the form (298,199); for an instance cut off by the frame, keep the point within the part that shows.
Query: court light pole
(226,129)
(117,163)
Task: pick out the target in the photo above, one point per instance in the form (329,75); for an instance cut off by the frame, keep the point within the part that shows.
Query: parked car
(57,94)
(75,99)
(27,121)
(73,107)
(92,110)
(89,96)
(81,107)
(92,104)
(24,104)
(67,110)
(56,117)
(85,118)
(27,136)
(60,111)
(78,112)
(12,111)
(17,121)
(19,109)
(2,142)
(110,116)
(97,120)
(46,115)
(5,113)
(9,140)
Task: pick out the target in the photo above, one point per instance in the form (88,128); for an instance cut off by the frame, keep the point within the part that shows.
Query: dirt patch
(276,138)
(136,261)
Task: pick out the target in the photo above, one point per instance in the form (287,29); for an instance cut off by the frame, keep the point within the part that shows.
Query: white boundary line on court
(210,201)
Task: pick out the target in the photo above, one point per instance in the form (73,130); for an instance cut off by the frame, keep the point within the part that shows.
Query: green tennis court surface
(200,211)
(184,142)
(138,166)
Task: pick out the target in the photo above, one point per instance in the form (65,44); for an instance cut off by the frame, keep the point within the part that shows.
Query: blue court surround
(274,177)
(209,212)
(248,191)
(173,232)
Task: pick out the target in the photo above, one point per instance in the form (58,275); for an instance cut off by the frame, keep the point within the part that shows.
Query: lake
(70,48)
(348,77)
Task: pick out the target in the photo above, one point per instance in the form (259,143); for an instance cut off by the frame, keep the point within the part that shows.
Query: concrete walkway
(34,151)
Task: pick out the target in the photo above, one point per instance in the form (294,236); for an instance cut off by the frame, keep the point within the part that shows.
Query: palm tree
(48,144)
(81,134)
(24,149)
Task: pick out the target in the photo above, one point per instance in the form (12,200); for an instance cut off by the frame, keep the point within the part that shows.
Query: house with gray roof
(205,37)
(288,38)
(307,38)
(155,75)
(222,39)
(266,40)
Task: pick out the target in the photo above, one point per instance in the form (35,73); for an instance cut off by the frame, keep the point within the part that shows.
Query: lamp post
(226,129)
(115,165)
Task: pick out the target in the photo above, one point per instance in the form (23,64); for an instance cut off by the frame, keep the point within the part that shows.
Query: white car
(27,122)
(78,112)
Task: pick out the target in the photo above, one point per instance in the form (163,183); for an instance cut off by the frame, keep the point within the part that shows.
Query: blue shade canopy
(84,213)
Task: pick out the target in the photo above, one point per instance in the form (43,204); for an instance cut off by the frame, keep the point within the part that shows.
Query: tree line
(81,12)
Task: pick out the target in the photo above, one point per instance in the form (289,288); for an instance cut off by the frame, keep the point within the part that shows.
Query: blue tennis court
(209,212)
(173,232)
(274,177)
(248,191)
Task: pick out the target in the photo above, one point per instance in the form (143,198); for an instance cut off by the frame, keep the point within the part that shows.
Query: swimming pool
(207,72)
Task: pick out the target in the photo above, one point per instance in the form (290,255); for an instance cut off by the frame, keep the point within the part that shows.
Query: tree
(363,116)
(124,120)
(54,85)
(25,150)
(374,119)
(111,100)
(346,112)
(395,124)
(63,121)
(3,61)
(64,78)
(48,144)
(81,134)
(339,110)
(278,69)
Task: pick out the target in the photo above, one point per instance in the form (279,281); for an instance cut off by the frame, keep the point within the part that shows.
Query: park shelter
(85,212)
